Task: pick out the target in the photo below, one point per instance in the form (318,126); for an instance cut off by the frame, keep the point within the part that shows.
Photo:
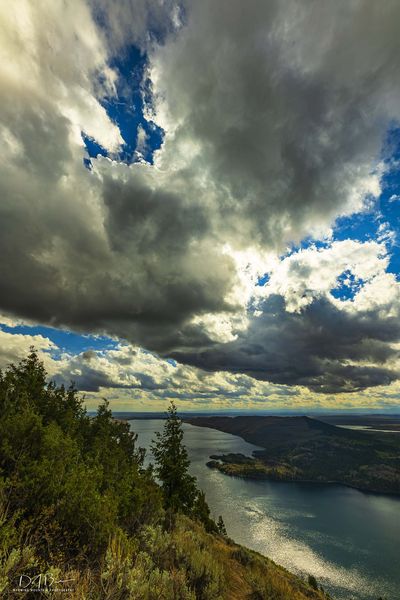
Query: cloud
(54,59)
(14,347)
(312,273)
(323,348)
(283,107)
(274,119)
(120,248)
(300,334)
(139,22)
(134,379)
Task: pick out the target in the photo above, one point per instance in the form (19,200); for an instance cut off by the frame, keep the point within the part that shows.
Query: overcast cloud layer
(275,117)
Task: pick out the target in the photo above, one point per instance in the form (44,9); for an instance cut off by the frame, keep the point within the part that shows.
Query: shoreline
(311,482)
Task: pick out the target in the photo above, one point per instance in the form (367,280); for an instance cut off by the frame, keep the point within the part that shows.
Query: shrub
(242,556)
(312,582)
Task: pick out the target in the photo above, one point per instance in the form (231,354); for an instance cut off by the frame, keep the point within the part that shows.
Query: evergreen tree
(172,465)
(312,582)
(71,480)
(221,526)
(201,512)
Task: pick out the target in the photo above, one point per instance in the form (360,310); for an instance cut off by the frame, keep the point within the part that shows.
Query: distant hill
(306,449)
(256,430)
(390,422)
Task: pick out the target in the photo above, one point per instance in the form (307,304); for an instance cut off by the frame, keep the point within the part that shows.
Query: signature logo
(42,582)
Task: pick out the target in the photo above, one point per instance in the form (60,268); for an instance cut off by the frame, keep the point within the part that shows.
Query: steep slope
(184,564)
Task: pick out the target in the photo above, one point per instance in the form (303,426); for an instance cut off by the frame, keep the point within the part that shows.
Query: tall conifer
(172,465)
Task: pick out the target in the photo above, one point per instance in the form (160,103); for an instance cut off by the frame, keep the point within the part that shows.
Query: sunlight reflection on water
(346,539)
(300,558)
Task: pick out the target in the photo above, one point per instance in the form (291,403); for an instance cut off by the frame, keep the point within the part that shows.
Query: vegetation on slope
(305,449)
(79,512)
(239,465)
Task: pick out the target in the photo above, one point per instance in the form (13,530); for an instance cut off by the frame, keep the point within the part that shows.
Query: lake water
(348,539)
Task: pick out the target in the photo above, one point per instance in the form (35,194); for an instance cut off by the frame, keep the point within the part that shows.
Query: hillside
(82,519)
(306,449)
(184,564)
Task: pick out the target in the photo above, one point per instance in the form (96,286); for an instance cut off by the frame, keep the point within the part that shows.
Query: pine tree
(221,526)
(172,465)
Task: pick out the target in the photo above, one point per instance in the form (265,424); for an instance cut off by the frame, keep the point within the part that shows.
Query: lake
(348,539)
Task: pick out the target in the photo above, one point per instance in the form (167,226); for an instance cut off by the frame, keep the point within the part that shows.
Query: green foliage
(170,565)
(201,511)
(243,556)
(205,574)
(172,465)
(71,479)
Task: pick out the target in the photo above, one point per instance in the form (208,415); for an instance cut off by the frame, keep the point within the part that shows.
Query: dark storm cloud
(322,348)
(142,272)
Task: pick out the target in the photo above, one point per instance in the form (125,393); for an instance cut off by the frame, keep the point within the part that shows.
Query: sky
(200,201)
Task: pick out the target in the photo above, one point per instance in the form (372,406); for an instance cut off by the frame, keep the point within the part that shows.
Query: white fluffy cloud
(314,272)
(53,54)
(15,346)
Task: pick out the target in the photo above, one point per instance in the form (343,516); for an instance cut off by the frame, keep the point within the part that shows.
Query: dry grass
(185,564)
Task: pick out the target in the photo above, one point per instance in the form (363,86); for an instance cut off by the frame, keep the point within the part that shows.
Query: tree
(72,480)
(201,512)
(172,465)
(221,526)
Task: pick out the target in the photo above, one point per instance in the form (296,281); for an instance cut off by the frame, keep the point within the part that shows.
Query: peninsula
(305,449)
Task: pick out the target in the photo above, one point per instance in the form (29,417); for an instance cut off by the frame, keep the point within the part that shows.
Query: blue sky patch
(127,110)
(92,147)
(67,341)
(384,215)
(263,280)
(347,286)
